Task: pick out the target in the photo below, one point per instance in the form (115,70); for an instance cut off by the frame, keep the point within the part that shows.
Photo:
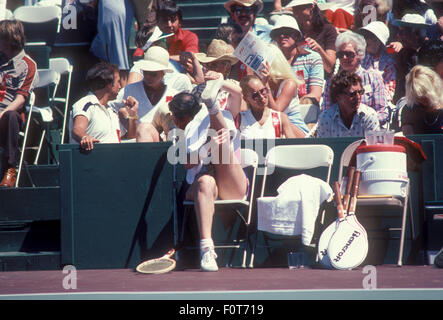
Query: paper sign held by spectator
(253,52)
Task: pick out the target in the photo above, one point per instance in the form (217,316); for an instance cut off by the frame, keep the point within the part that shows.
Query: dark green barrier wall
(117,200)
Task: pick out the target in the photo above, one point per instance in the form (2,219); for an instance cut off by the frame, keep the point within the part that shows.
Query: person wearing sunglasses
(305,63)
(347,116)
(244,12)
(351,48)
(260,121)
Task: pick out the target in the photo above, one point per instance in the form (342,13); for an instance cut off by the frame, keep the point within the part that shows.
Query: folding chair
(393,201)
(296,157)
(47,85)
(249,158)
(64,67)
(41,23)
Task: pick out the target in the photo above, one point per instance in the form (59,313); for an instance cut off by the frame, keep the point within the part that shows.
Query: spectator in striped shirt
(306,64)
(351,48)
(18,76)
(376,35)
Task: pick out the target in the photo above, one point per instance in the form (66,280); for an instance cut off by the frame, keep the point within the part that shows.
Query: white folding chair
(393,201)
(296,157)
(41,23)
(48,82)
(243,208)
(64,67)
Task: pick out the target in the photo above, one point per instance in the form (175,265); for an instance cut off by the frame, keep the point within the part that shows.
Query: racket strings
(157,265)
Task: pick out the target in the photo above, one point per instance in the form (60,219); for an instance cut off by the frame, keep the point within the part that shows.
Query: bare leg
(147,133)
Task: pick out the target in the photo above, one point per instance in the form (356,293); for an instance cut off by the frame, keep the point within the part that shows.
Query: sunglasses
(348,54)
(240,9)
(353,94)
(151,73)
(263,92)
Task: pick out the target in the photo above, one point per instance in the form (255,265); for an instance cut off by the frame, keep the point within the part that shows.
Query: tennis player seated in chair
(213,167)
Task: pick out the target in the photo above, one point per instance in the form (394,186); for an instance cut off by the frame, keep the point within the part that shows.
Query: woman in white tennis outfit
(260,121)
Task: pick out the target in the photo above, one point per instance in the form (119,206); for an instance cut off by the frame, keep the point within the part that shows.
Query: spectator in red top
(18,76)
(169,21)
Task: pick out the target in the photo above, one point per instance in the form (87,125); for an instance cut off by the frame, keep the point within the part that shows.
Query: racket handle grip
(356,183)
(337,195)
(350,173)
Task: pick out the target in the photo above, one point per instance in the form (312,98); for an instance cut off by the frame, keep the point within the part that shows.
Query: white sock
(205,244)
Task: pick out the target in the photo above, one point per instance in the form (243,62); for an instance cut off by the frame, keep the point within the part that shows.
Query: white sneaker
(207,260)
(210,92)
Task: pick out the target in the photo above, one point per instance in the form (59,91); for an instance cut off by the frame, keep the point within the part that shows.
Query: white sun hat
(379,29)
(155,59)
(284,22)
(412,20)
(295,3)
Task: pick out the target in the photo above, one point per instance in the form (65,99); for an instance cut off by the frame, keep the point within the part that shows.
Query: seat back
(299,157)
(64,67)
(41,23)
(347,156)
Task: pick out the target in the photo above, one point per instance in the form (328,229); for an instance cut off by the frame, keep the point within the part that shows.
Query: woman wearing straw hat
(217,64)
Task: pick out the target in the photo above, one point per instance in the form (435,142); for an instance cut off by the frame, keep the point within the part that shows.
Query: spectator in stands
(319,34)
(18,76)
(364,11)
(229,32)
(217,64)
(145,38)
(347,116)
(114,25)
(183,41)
(92,119)
(376,35)
(220,175)
(412,30)
(424,111)
(431,55)
(351,48)
(436,30)
(244,12)
(259,121)
(341,14)
(151,93)
(282,84)
(305,63)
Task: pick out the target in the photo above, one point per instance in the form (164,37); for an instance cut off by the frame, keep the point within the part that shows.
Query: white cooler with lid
(383,169)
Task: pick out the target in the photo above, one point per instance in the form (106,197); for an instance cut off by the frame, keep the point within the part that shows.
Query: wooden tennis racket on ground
(159,265)
(327,234)
(350,179)
(349,244)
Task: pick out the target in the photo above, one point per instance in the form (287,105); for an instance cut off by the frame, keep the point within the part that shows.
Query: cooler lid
(380,148)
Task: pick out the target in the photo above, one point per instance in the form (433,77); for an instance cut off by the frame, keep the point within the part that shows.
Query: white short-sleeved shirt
(330,123)
(146,110)
(250,128)
(103,123)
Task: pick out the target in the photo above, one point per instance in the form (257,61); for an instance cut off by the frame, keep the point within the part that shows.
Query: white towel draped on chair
(295,209)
